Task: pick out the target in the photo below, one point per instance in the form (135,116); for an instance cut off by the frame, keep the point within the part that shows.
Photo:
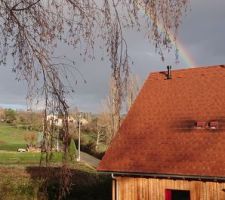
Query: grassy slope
(11,138)
(24,158)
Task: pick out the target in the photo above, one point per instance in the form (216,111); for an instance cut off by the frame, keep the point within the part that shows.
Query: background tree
(10,115)
(29,120)
(102,129)
(133,86)
(31,139)
(109,120)
(2,114)
(30,30)
(114,108)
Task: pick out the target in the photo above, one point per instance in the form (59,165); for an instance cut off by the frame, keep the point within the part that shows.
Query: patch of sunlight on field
(12,138)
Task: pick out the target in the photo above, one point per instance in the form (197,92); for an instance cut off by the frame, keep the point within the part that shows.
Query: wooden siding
(128,188)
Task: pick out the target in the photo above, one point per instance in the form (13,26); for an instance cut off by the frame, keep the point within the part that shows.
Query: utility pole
(57,140)
(78,159)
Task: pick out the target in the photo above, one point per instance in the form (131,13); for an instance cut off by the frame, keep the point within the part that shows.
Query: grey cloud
(11,91)
(205,22)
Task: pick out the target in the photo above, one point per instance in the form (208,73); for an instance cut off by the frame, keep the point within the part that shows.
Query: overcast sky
(202,34)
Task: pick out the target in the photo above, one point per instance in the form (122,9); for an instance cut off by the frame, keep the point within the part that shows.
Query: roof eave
(166,176)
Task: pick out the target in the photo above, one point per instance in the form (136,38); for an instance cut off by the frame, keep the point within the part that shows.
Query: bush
(12,189)
(43,184)
(72,150)
(31,138)
(10,115)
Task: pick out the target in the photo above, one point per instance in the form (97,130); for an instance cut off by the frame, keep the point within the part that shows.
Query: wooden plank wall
(129,188)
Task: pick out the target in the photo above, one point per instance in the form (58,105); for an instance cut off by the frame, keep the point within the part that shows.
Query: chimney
(169,75)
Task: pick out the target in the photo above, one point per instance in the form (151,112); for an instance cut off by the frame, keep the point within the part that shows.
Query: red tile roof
(159,134)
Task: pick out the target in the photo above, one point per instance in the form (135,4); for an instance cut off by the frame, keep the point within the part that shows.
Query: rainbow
(183,53)
(178,44)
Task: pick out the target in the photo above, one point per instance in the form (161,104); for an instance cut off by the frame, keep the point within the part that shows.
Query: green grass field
(12,138)
(25,158)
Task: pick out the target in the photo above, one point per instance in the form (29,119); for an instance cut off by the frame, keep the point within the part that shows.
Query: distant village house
(57,121)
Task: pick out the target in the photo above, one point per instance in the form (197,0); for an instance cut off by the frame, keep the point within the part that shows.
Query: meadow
(12,138)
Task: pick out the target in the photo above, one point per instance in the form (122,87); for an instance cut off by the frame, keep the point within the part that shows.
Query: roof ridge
(191,68)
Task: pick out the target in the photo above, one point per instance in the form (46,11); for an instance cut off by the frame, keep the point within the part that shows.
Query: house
(171,145)
(54,119)
(59,121)
(83,121)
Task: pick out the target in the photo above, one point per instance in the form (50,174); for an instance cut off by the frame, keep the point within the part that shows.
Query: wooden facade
(133,188)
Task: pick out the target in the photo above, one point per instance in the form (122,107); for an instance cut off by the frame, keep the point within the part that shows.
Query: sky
(201,42)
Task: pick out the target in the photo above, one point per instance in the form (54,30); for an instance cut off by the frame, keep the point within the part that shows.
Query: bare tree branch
(14,8)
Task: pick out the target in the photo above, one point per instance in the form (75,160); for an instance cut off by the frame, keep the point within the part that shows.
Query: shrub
(31,139)
(10,115)
(72,150)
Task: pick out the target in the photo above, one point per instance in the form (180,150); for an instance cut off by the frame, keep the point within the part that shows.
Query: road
(91,160)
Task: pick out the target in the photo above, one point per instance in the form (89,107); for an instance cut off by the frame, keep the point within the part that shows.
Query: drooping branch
(15,7)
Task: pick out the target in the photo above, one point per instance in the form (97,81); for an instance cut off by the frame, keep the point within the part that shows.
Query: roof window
(213,125)
(200,124)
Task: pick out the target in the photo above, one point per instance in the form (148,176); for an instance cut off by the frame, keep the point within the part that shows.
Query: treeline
(28,120)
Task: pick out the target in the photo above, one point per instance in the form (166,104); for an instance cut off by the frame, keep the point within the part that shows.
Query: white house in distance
(59,121)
